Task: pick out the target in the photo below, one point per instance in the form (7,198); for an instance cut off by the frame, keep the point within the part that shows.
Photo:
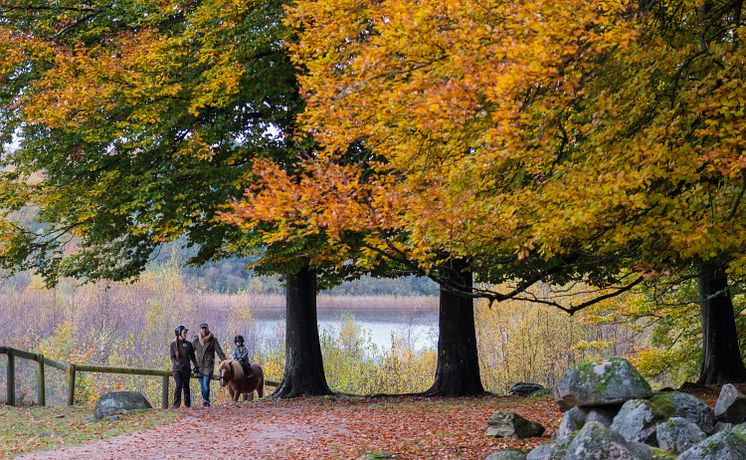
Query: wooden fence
(72,370)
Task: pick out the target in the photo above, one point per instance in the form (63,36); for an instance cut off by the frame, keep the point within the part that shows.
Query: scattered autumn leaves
(328,428)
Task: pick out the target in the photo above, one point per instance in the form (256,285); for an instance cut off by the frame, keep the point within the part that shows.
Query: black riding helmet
(179,328)
(238,338)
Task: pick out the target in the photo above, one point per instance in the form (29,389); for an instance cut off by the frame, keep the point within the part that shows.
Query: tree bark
(457,373)
(721,360)
(304,366)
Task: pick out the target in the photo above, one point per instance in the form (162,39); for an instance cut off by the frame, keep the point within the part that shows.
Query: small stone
(612,381)
(507,454)
(604,415)
(731,405)
(573,420)
(509,424)
(118,402)
(720,426)
(678,434)
(554,450)
(524,388)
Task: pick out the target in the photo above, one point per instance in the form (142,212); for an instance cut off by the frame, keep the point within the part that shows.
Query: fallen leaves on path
(330,428)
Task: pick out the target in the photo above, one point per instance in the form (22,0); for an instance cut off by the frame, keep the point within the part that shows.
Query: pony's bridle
(222,377)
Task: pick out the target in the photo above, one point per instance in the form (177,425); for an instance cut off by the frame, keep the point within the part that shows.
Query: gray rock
(507,454)
(676,404)
(595,441)
(720,426)
(611,381)
(554,450)
(120,402)
(542,452)
(731,405)
(604,415)
(512,425)
(573,420)
(727,444)
(524,388)
(678,434)
(637,421)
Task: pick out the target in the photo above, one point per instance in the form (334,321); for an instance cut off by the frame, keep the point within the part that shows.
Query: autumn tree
(560,140)
(135,122)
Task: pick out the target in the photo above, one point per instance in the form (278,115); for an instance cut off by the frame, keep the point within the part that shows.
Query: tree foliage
(135,121)
(589,137)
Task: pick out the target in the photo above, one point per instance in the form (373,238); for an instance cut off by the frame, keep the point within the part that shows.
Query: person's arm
(193,357)
(219,349)
(172,353)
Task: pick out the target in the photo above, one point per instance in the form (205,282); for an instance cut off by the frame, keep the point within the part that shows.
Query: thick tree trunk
(457,373)
(721,361)
(304,367)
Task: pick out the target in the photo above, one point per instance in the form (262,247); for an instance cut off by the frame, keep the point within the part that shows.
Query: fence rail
(72,369)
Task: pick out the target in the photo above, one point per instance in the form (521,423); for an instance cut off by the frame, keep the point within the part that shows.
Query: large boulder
(637,421)
(507,454)
(120,402)
(726,444)
(524,388)
(512,425)
(676,404)
(595,441)
(678,434)
(731,405)
(611,381)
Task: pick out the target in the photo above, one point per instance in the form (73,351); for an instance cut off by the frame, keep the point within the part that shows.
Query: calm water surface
(418,328)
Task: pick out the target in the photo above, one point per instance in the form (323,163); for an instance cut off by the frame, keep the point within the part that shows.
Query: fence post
(164,391)
(11,374)
(41,394)
(71,385)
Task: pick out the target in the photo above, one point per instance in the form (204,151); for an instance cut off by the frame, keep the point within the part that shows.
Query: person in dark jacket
(181,353)
(206,345)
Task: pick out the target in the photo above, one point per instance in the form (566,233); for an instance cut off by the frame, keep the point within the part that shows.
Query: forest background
(129,324)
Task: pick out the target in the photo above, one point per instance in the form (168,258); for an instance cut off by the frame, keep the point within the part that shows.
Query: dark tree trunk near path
(304,367)
(721,361)
(457,373)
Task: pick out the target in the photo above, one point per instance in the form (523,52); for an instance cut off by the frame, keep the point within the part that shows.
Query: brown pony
(231,376)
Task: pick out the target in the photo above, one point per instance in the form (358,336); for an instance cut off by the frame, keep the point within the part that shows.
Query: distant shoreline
(271,302)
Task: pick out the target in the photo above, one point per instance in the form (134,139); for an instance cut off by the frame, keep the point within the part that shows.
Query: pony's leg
(260,387)
(232,392)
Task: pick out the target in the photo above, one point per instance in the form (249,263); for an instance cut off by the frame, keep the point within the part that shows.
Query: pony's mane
(235,366)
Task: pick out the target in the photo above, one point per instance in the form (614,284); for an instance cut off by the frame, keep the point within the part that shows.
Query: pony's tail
(260,387)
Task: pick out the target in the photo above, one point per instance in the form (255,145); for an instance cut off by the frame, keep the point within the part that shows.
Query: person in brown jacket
(181,353)
(205,346)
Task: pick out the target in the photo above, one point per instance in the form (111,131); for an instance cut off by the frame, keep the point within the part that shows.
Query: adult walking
(206,345)
(181,353)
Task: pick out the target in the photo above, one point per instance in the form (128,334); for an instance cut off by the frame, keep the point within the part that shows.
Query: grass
(28,429)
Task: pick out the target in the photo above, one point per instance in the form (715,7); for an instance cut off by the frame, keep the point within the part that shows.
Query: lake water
(416,327)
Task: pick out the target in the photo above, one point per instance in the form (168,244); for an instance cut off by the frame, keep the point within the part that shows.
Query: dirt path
(321,429)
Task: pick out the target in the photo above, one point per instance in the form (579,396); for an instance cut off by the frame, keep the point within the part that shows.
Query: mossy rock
(726,444)
(660,454)
(607,382)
